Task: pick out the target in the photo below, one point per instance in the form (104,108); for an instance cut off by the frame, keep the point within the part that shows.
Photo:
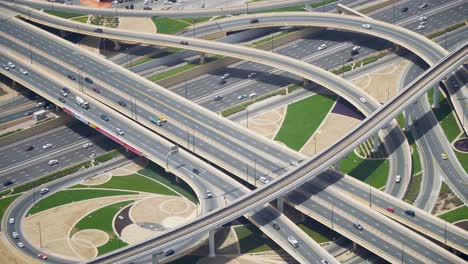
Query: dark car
(358,226)
(88,80)
(66,90)
(105,118)
(253,21)
(404,9)
(354,52)
(410,213)
(61,99)
(28,113)
(184,42)
(98,30)
(218,97)
(96,90)
(71,77)
(222,81)
(147,8)
(122,103)
(276,226)
(7,182)
(169,252)
(196,171)
(29,147)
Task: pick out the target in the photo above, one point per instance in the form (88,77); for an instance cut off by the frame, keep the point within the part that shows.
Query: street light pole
(370,195)
(247,113)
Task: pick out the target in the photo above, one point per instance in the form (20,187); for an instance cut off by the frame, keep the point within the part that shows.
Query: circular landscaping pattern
(461,144)
(94,237)
(174,206)
(97,180)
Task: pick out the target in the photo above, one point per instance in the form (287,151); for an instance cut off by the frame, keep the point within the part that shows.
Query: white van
(53,162)
(293,241)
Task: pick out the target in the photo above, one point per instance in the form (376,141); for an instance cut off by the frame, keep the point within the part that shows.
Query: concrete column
(154,259)
(176,179)
(354,246)
(202,58)
(116,45)
(280,203)
(406,115)
(302,217)
(305,82)
(13,83)
(337,165)
(211,243)
(435,104)
(375,138)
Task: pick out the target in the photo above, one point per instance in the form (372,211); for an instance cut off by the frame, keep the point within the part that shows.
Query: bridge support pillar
(280,203)
(435,104)
(13,83)
(337,165)
(406,115)
(301,217)
(375,138)
(211,243)
(117,45)
(202,58)
(176,179)
(305,82)
(154,259)
(354,246)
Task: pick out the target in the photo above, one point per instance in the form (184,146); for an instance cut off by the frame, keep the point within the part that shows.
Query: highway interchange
(265,163)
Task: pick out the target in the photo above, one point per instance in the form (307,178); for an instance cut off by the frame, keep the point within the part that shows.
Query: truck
(81,102)
(155,120)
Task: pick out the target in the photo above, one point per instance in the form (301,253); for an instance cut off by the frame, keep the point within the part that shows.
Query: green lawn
(463,158)
(373,172)
(157,173)
(167,25)
(284,9)
(445,116)
(158,54)
(303,118)
(133,182)
(82,19)
(101,219)
(62,14)
(251,240)
(5,202)
(69,196)
(413,188)
(317,231)
(458,214)
(189,20)
(416,160)
(114,243)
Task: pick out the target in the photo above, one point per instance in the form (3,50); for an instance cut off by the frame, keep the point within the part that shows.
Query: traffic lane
(17,114)
(19,100)
(377,200)
(182,134)
(327,210)
(187,168)
(18,153)
(371,218)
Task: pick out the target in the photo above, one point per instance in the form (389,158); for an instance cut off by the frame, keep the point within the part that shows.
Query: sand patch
(332,128)
(54,234)
(9,92)
(383,82)
(266,124)
(8,254)
(157,209)
(97,180)
(137,24)
(127,170)
(95,237)
(133,233)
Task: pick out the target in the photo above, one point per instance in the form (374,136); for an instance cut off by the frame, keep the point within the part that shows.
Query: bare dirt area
(137,24)
(266,124)
(97,180)
(445,202)
(54,235)
(332,128)
(265,257)
(127,170)
(9,92)
(11,255)
(383,82)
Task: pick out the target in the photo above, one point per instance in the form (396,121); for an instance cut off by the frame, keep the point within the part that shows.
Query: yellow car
(162,118)
(444,156)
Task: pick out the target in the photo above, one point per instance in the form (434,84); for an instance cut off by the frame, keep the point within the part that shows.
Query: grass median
(317,231)
(370,171)
(252,240)
(166,25)
(303,118)
(455,215)
(413,188)
(62,14)
(5,202)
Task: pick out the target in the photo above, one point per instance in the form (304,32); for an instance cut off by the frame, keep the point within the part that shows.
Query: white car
(15,235)
(11,221)
(421,27)
(264,180)
(46,146)
(423,18)
(53,162)
(87,145)
(252,74)
(6,67)
(295,163)
(23,71)
(293,241)
(225,76)
(366,26)
(252,95)
(11,65)
(119,131)
(362,99)
(209,194)
(20,244)
(398,178)
(356,48)
(44,190)
(322,47)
